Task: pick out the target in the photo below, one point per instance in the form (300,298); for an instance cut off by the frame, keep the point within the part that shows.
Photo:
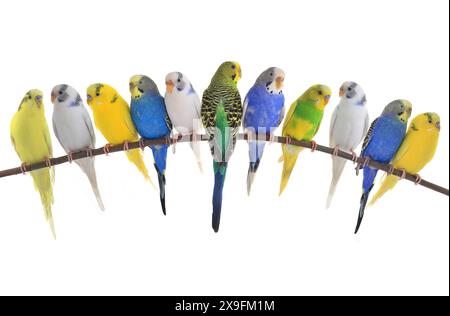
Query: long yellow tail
(43,184)
(290,155)
(387,184)
(135,156)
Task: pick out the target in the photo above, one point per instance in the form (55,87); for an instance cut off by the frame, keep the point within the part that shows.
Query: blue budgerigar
(263,112)
(149,115)
(382,141)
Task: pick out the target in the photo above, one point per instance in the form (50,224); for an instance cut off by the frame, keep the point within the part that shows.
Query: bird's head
(33,101)
(229,72)
(319,94)
(177,82)
(140,85)
(272,79)
(65,94)
(430,122)
(400,109)
(352,92)
(100,93)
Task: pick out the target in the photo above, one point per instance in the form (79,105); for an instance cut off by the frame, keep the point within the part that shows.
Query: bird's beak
(327,98)
(53,97)
(341,92)
(438,125)
(169,86)
(279,82)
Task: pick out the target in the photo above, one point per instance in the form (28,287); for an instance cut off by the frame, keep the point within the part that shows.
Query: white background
(267,245)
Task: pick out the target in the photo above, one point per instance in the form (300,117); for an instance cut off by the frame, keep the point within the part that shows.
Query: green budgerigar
(221,116)
(302,123)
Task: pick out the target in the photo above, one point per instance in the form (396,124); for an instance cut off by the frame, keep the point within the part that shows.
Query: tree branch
(278,139)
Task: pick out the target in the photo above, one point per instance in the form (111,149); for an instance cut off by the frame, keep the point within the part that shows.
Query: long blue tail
(256,150)
(160,156)
(369,178)
(220,171)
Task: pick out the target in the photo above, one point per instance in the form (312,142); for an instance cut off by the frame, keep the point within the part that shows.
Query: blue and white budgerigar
(349,125)
(149,115)
(382,141)
(263,113)
(183,107)
(74,130)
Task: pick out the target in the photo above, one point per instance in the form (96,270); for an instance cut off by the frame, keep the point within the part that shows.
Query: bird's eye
(178,80)
(29,97)
(349,89)
(233,67)
(320,92)
(140,82)
(97,94)
(271,74)
(60,92)
(430,121)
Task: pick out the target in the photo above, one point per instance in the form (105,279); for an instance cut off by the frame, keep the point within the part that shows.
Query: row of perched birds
(221,112)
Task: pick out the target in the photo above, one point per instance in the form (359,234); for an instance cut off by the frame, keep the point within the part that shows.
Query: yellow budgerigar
(30,137)
(112,117)
(417,149)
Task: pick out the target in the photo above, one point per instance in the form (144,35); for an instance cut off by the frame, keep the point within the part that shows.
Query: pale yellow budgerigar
(30,137)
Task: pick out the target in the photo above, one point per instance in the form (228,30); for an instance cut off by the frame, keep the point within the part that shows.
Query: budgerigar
(222,115)
(112,117)
(349,125)
(416,150)
(149,115)
(30,137)
(74,130)
(302,123)
(381,143)
(263,113)
(183,107)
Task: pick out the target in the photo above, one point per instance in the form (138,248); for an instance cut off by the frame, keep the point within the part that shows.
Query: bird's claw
(418,179)
(48,162)
(335,151)
(70,156)
(23,168)
(126,146)
(314,146)
(403,176)
(89,152)
(391,169)
(106,149)
(142,144)
(175,140)
(288,140)
(271,139)
(354,157)
(366,162)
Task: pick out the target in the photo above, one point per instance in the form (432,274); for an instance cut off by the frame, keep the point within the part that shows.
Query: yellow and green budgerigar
(417,149)
(30,137)
(112,117)
(302,123)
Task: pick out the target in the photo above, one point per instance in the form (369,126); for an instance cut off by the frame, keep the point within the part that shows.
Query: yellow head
(32,102)
(228,73)
(428,122)
(100,93)
(319,94)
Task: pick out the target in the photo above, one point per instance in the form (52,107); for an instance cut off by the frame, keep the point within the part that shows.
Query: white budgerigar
(74,130)
(183,107)
(349,125)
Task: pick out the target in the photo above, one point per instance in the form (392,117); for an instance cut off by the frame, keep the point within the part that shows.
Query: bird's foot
(288,140)
(366,162)
(335,151)
(48,162)
(418,179)
(391,169)
(175,139)
(142,144)
(89,153)
(314,146)
(70,156)
(271,139)
(23,168)
(126,146)
(106,149)
(354,156)
(403,176)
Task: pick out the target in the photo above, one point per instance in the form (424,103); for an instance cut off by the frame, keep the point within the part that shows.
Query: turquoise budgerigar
(382,141)
(149,115)
(222,115)
(263,113)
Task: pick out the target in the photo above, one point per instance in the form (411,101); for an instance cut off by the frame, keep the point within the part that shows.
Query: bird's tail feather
(290,155)
(252,168)
(387,184)
(43,184)
(338,168)
(220,171)
(195,145)
(88,167)
(162,189)
(135,156)
(362,207)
